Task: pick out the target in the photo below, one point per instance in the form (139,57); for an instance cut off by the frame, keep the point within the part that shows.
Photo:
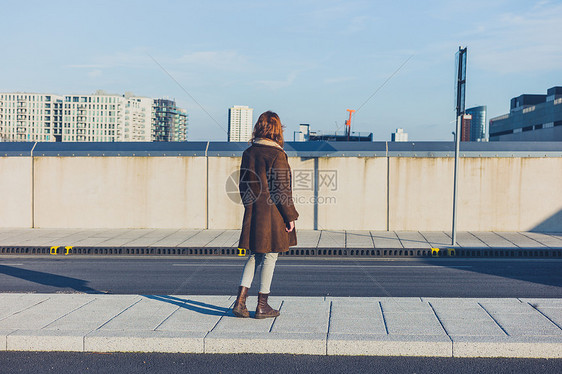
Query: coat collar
(265,141)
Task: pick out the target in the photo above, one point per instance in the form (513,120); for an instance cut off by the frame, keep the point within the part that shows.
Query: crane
(348,123)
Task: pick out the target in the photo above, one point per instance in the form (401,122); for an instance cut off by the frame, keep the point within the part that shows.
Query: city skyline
(308,62)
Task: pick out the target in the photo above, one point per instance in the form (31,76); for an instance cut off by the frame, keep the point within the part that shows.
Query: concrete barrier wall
(115,192)
(15,192)
(369,193)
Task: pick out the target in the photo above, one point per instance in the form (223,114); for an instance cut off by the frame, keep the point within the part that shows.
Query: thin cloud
(95,73)
(517,43)
(278,84)
(220,60)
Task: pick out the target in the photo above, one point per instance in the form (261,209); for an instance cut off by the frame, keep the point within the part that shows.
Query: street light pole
(456,178)
(461,89)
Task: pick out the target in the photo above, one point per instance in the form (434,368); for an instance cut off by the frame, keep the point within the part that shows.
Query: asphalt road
(62,363)
(293,276)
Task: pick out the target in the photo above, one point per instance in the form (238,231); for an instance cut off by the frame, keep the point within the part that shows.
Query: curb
(281,343)
(294,252)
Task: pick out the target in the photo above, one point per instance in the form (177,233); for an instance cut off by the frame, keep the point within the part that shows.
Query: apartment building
(240,126)
(99,117)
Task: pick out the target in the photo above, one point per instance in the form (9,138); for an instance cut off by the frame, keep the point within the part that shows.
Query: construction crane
(348,123)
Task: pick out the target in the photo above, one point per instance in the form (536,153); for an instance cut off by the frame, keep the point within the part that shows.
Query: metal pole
(456,178)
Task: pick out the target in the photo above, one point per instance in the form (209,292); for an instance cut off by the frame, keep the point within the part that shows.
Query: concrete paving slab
(44,313)
(520,347)
(307,238)
(527,324)
(469,240)
(387,345)
(177,238)
(437,239)
(358,239)
(90,242)
(540,303)
(405,305)
(14,303)
(46,340)
(94,314)
(386,239)
(201,239)
(332,239)
(554,314)
(521,240)
(471,327)
(145,341)
(550,241)
(125,236)
(354,309)
(493,240)
(252,342)
(196,313)
(412,239)
(461,314)
(408,324)
(317,308)
(228,239)
(147,314)
(241,325)
(494,306)
(151,237)
(371,325)
(311,323)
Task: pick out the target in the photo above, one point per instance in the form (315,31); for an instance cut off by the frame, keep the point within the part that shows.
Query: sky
(307,60)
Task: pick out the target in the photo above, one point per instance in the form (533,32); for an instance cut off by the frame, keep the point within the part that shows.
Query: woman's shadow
(196,306)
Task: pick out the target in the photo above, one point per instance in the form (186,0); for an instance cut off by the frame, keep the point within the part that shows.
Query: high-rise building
(169,123)
(399,136)
(240,123)
(466,120)
(530,118)
(99,117)
(477,123)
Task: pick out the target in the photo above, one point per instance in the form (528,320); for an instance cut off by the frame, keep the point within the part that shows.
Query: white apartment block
(99,117)
(240,123)
(399,136)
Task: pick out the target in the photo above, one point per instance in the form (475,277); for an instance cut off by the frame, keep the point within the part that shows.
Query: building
(466,121)
(477,123)
(240,123)
(169,123)
(305,135)
(99,117)
(530,118)
(30,117)
(399,136)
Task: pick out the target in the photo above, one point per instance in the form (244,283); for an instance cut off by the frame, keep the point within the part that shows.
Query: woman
(268,226)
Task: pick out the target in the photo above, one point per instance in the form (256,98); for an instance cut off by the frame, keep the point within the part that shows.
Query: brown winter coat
(265,188)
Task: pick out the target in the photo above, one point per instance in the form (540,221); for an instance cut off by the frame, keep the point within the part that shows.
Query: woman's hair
(268,126)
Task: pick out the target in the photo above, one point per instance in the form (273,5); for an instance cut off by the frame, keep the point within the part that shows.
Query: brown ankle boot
(239,308)
(263,309)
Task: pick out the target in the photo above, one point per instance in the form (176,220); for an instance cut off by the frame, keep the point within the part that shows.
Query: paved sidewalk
(440,327)
(306,238)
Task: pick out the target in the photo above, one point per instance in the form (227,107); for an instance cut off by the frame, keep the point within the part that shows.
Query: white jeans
(267,262)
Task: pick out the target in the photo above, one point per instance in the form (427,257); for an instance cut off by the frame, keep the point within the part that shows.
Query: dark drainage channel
(302,252)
